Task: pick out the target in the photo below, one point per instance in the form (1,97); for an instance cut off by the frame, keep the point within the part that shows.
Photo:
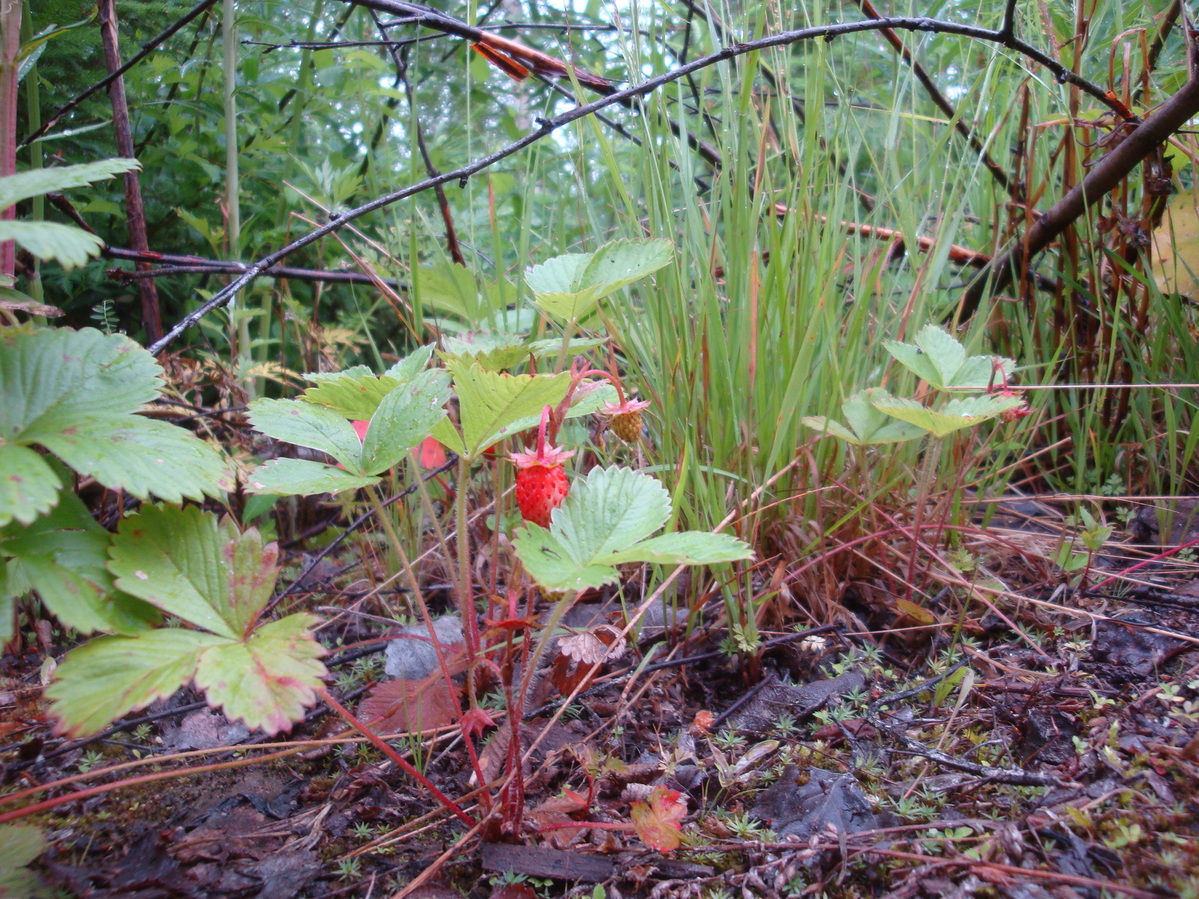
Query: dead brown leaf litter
(1059,760)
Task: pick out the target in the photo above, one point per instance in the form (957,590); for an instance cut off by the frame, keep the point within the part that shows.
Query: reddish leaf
(410,705)
(657,822)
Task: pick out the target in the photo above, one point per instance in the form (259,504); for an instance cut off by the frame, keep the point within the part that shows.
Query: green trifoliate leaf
(940,359)
(864,424)
(112,676)
(959,413)
(28,184)
(268,679)
(493,405)
(190,565)
(305,424)
(404,418)
(568,287)
(300,477)
(607,520)
(205,572)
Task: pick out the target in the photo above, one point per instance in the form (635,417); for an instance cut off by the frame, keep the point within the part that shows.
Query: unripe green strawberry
(625,418)
(627,426)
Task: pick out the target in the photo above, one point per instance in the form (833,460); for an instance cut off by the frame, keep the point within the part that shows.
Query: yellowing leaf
(267,680)
(657,822)
(1176,248)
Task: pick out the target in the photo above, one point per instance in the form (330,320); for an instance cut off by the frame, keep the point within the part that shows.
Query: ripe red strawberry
(540,488)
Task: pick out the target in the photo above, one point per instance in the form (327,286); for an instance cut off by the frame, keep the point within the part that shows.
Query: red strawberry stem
(578,372)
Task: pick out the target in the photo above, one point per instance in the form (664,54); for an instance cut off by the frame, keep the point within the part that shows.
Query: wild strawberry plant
(971,390)
(574,534)
(216,581)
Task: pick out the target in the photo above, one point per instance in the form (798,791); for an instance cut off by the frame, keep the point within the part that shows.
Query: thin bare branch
(146,49)
(1105,175)
(548,126)
(179,264)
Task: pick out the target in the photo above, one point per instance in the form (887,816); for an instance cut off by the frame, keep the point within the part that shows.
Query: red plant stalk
(448,803)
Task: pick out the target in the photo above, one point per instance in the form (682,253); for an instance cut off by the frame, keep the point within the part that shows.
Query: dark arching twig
(443,203)
(548,126)
(146,49)
(1102,178)
(940,101)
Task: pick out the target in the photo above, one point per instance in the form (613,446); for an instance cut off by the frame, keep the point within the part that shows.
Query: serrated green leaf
(28,485)
(404,418)
(34,182)
(354,371)
(447,434)
(684,548)
(63,556)
(607,520)
(192,566)
(492,405)
(141,456)
(67,245)
(548,562)
(411,365)
(568,287)
(111,676)
(495,351)
(76,392)
(957,414)
(621,262)
(305,424)
(558,275)
(352,397)
(268,679)
(608,511)
(301,477)
(830,426)
(867,426)
(940,359)
(49,376)
(568,307)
